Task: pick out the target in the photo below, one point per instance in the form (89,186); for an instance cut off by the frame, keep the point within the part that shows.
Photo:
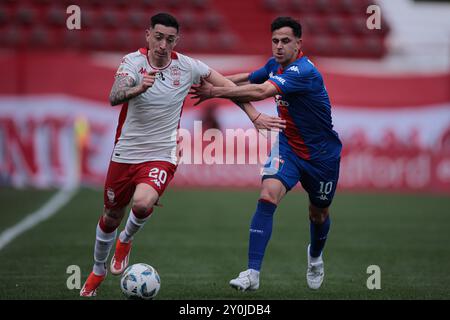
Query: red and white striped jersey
(148,123)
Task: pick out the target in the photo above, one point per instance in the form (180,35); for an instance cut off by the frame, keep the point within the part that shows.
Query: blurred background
(390,87)
(390,92)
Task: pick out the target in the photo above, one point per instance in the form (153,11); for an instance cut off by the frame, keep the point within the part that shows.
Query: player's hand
(267,122)
(147,81)
(201,92)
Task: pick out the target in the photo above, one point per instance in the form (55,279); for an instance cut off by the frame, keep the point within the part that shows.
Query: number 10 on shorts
(325,188)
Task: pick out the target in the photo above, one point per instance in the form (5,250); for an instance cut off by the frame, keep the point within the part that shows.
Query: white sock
(133,225)
(103,244)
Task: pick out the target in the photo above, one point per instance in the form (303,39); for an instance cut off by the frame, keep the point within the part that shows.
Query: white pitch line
(50,208)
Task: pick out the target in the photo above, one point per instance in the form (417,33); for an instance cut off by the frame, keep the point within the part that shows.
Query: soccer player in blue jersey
(308,150)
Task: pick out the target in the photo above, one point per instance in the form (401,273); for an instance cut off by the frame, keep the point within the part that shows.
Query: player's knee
(142,205)
(269,195)
(318,215)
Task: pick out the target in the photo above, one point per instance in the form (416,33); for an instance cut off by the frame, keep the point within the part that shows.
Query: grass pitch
(198,242)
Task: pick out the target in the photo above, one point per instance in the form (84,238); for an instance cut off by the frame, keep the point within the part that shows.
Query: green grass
(198,242)
(17,204)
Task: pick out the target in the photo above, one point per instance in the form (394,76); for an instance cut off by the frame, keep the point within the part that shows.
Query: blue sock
(260,232)
(318,234)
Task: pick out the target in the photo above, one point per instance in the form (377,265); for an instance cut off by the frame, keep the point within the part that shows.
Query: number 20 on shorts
(156,173)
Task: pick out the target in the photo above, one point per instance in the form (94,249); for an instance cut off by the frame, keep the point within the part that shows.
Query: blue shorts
(318,177)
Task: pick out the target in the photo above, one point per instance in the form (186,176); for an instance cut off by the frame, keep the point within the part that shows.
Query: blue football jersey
(304,103)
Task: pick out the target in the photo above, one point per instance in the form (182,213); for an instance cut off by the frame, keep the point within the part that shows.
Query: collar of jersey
(173,56)
(299,56)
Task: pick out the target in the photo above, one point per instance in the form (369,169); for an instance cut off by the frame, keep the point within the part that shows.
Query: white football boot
(247,280)
(315,271)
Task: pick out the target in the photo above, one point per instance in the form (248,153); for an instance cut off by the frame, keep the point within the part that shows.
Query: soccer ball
(140,281)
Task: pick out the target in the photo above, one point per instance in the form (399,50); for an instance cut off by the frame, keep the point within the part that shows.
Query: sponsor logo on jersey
(280,102)
(121,74)
(281,80)
(322,197)
(143,71)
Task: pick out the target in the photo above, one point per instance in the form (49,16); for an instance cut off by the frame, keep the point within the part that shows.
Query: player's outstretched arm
(245,93)
(239,78)
(259,119)
(125,88)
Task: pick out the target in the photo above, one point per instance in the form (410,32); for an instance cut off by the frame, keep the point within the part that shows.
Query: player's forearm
(239,79)
(123,95)
(123,90)
(246,93)
(248,108)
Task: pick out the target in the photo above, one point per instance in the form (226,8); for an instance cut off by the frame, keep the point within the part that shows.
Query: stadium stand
(331,27)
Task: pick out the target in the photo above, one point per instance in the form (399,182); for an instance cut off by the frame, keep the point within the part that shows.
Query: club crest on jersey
(277,163)
(175,73)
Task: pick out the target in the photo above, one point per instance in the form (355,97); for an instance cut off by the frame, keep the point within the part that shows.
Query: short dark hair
(281,22)
(165,19)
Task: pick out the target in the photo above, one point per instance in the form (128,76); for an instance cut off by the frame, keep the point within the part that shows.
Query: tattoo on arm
(123,90)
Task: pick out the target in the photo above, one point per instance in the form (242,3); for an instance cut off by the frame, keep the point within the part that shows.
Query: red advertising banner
(48,141)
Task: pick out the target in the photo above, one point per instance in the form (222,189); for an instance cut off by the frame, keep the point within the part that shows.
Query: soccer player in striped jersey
(308,150)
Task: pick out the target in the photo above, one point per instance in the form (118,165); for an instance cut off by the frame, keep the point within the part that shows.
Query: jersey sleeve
(292,81)
(199,70)
(260,75)
(127,68)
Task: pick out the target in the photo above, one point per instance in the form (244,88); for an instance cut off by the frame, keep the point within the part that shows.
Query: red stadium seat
(11,37)
(40,37)
(187,20)
(213,21)
(25,15)
(71,39)
(337,25)
(201,40)
(54,18)
(174,4)
(88,18)
(200,4)
(226,41)
(274,5)
(109,18)
(323,6)
(333,25)
(148,3)
(137,20)
(97,40)
(300,6)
